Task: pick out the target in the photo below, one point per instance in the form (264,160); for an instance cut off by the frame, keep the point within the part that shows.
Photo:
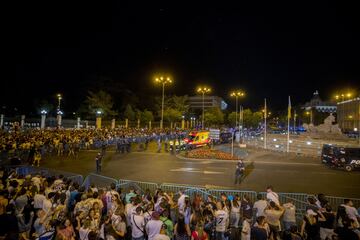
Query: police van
(347,158)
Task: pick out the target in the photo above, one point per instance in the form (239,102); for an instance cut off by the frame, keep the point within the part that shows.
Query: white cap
(311,212)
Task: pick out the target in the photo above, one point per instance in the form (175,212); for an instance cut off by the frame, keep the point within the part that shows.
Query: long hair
(200,229)
(180,229)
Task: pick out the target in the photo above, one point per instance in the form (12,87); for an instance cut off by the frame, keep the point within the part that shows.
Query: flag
(289,109)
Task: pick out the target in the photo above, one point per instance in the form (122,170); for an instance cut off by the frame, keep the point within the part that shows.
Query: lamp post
(163,81)
(43,118)
(98,119)
(342,96)
(310,115)
(59,97)
(237,94)
(203,91)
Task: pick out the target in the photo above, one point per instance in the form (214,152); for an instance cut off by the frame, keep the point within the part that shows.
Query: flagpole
(265,116)
(288,130)
(294,121)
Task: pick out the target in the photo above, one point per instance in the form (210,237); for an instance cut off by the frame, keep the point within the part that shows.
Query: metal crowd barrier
(98,180)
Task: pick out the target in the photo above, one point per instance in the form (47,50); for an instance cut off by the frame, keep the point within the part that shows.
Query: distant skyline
(271,50)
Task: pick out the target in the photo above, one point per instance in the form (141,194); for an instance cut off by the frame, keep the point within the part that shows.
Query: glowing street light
(163,81)
(203,91)
(237,94)
(59,97)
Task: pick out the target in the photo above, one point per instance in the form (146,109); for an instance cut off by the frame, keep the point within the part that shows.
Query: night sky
(268,50)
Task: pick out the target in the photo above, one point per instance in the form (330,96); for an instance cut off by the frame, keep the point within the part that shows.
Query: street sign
(214,134)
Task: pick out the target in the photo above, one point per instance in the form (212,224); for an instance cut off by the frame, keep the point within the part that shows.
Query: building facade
(318,109)
(348,114)
(196,102)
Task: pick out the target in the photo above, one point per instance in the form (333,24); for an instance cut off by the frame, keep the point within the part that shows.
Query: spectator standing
(260,230)
(181,230)
(310,227)
(327,226)
(272,196)
(221,221)
(272,215)
(260,205)
(289,217)
(153,227)
(138,224)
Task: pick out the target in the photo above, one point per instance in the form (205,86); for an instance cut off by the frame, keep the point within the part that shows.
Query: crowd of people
(37,207)
(34,144)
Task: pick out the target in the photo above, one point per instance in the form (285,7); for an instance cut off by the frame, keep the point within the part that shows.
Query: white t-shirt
(137,221)
(153,227)
(260,206)
(290,213)
(46,205)
(161,237)
(181,203)
(84,233)
(38,200)
(221,220)
(246,231)
(273,196)
(351,212)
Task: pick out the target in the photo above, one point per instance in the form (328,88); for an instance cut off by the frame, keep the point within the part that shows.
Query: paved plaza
(286,172)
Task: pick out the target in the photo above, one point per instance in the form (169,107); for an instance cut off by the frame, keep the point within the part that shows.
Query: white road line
(194,170)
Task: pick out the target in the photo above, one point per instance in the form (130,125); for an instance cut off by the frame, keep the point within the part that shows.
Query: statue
(326,129)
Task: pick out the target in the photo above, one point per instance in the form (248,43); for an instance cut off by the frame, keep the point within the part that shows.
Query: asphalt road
(287,173)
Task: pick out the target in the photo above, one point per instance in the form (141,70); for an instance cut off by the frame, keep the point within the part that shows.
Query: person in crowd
(137,224)
(246,228)
(199,232)
(289,217)
(327,224)
(162,235)
(153,227)
(272,216)
(272,196)
(221,221)
(235,217)
(260,205)
(310,227)
(351,212)
(260,230)
(168,223)
(181,230)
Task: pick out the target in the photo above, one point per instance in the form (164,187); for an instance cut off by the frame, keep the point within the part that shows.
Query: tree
(129,113)
(232,118)
(214,116)
(147,116)
(172,115)
(100,101)
(179,103)
(252,119)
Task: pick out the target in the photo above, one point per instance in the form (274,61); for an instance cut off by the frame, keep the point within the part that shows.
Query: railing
(47,172)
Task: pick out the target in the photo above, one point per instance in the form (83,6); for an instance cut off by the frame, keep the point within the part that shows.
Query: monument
(326,130)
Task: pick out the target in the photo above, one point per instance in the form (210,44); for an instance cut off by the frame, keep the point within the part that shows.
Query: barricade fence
(298,199)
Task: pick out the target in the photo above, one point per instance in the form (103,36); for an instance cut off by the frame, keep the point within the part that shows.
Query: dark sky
(268,50)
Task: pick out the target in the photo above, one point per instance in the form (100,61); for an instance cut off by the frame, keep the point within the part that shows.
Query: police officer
(98,159)
(239,171)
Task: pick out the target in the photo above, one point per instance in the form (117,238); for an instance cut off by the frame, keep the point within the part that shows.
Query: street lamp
(340,117)
(237,94)
(59,97)
(203,91)
(163,81)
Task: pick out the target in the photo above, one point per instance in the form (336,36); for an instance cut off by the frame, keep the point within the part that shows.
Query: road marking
(194,170)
